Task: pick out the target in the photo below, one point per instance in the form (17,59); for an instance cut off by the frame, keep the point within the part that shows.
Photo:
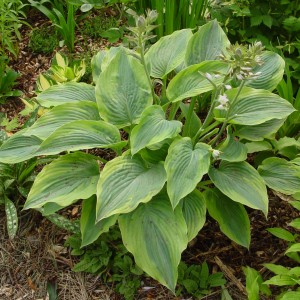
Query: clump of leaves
(61,71)
(288,279)
(8,79)
(170,167)
(196,280)
(44,39)
(108,258)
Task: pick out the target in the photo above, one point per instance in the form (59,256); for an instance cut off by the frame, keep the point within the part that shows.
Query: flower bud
(152,16)
(228,87)
(208,76)
(141,22)
(216,153)
(221,107)
(223,99)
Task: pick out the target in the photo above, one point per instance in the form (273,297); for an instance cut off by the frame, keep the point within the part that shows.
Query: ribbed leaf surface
(241,183)
(69,92)
(79,135)
(185,166)
(152,129)
(206,44)
(231,216)
(61,115)
(125,182)
(65,180)
(189,82)
(168,53)
(280,175)
(123,91)
(194,212)
(156,236)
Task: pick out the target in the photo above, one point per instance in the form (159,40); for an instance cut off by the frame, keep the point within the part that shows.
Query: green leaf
(281,280)
(69,92)
(254,107)
(185,166)
(241,183)
(293,248)
(207,44)
(156,235)
(277,269)
(90,230)
(189,82)
(168,53)
(231,216)
(19,148)
(295,223)
(125,182)
(61,115)
(258,146)
(194,212)
(280,175)
(232,150)
(282,234)
(11,217)
(83,134)
(195,122)
(65,180)
(152,129)
(122,98)
(290,295)
(252,285)
(259,132)
(271,72)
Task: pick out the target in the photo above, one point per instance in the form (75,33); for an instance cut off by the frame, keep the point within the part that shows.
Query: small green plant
(8,79)
(108,258)
(288,279)
(165,166)
(43,40)
(11,19)
(61,71)
(196,280)
(64,22)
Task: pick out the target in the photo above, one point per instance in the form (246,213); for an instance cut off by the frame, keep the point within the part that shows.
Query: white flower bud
(216,153)
(223,99)
(239,77)
(221,107)
(228,87)
(208,76)
(217,76)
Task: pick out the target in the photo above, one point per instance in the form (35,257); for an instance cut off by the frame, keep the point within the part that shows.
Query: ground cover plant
(170,166)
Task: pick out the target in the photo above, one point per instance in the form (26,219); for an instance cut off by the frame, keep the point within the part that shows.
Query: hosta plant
(170,166)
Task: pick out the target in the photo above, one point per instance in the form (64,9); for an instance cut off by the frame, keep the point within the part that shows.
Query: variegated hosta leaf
(90,230)
(185,166)
(152,129)
(156,236)
(61,115)
(241,183)
(191,81)
(259,132)
(123,91)
(79,135)
(280,175)
(168,53)
(231,216)
(232,150)
(101,60)
(19,148)
(254,107)
(271,70)
(69,92)
(65,180)
(11,217)
(194,212)
(125,182)
(206,44)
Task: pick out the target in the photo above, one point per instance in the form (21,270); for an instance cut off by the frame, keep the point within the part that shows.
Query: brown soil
(37,256)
